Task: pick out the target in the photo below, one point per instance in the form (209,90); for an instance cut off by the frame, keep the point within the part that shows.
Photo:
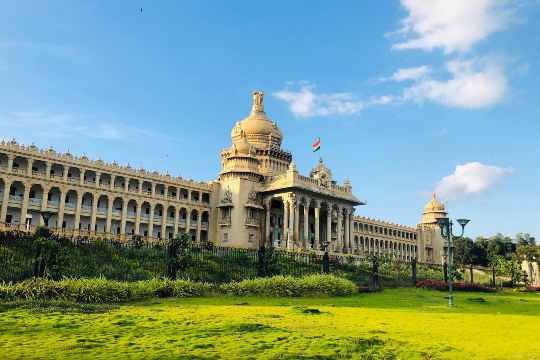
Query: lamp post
(445,225)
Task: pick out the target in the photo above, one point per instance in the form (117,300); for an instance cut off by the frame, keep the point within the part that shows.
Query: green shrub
(99,290)
(312,285)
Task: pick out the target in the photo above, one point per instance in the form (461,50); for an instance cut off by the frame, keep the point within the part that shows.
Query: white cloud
(409,73)
(305,102)
(473,84)
(470,178)
(28,126)
(452,25)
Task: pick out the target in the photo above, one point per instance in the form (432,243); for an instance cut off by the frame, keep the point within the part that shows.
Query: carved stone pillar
(188,222)
(93,214)
(346,245)
(328,227)
(285,235)
(306,243)
(138,218)
(267,224)
(339,241)
(109,215)
(164,222)
(113,178)
(199,226)
(151,222)
(290,238)
(296,224)
(175,221)
(11,157)
(60,218)
(76,225)
(123,220)
(24,206)
(48,170)
(44,203)
(317,243)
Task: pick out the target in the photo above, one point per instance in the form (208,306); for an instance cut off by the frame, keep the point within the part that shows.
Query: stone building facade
(260,198)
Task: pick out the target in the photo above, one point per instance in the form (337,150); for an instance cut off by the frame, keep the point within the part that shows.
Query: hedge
(312,285)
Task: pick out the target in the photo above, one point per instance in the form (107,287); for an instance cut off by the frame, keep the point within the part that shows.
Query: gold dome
(433,210)
(258,128)
(434,205)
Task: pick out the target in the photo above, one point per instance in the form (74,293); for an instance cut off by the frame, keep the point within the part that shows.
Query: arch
(158,211)
(74,174)
(119,182)
(118,204)
(132,207)
(39,167)
(20,164)
(172,191)
(204,217)
(171,210)
(133,185)
(194,215)
(105,180)
(184,194)
(16,191)
(57,171)
(147,187)
(160,189)
(89,177)
(145,208)
(70,202)
(87,200)
(183,214)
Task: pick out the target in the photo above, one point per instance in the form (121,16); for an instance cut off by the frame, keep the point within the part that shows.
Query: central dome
(433,210)
(258,128)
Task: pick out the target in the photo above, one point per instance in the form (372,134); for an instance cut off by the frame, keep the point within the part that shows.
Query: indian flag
(316,145)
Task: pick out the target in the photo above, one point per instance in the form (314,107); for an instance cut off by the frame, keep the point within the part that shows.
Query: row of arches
(379,246)
(86,211)
(363,227)
(20,164)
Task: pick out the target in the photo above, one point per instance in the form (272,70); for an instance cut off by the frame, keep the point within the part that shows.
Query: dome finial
(257,102)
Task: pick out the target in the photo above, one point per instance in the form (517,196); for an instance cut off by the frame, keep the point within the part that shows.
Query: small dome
(434,205)
(241,145)
(258,128)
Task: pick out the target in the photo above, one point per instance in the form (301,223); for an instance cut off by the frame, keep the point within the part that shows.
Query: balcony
(131,215)
(145,217)
(204,225)
(147,192)
(116,213)
(18,171)
(86,209)
(90,182)
(73,180)
(157,219)
(53,204)
(225,221)
(34,203)
(102,211)
(38,173)
(252,222)
(15,199)
(182,223)
(170,221)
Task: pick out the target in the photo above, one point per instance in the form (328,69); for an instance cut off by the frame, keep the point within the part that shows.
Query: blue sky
(407,96)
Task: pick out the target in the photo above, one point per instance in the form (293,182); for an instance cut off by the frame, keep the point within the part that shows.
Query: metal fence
(21,258)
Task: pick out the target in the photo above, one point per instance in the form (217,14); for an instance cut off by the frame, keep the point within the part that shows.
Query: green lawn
(394,324)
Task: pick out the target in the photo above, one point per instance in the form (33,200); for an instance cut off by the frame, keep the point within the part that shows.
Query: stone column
(24,206)
(317,242)
(138,218)
(346,240)
(98,176)
(199,223)
(164,222)
(290,239)
(329,227)
(93,214)
(188,221)
(60,217)
(306,243)
(29,163)
(11,157)
(126,184)
(175,221)
(123,220)
(296,224)
(151,222)
(285,234)
(267,225)
(109,215)
(113,178)
(78,206)
(48,166)
(81,176)
(339,230)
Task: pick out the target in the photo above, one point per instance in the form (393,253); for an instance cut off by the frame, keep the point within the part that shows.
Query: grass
(394,324)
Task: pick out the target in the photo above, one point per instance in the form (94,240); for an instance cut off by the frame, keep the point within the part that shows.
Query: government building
(259,198)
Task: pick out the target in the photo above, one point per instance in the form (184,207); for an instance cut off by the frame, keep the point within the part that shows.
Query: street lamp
(445,225)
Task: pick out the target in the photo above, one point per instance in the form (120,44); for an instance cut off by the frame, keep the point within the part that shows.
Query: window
(225,237)
(251,238)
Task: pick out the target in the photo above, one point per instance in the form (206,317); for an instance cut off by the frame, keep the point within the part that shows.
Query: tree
(526,246)
(178,255)
(463,251)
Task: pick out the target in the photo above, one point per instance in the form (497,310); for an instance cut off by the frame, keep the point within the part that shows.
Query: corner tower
(431,245)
